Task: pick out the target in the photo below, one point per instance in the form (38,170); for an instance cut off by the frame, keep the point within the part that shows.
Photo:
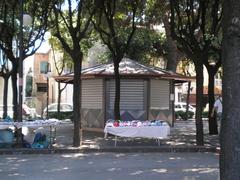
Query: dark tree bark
(172,51)
(230,125)
(212,70)
(60,90)
(112,31)
(59,96)
(76,21)
(117,92)
(59,69)
(5,96)
(77,98)
(15,91)
(191,26)
(199,103)
(5,73)
(187,100)
(212,121)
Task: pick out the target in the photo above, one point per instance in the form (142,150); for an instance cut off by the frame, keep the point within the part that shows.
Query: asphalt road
(110,166)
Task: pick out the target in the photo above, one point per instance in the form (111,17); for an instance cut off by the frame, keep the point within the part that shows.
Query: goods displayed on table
(8,127)
(157,129)
(135,123)
(36,123)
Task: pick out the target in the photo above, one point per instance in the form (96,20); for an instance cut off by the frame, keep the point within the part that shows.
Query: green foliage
(34,31)
(183,115)
(61,115)
(214,40)
(147,44)
(72,25)
(205,114)
(66,61)
(154,11)
(115,21)
(104,57)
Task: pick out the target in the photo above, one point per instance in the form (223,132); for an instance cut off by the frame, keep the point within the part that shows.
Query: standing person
(218,109)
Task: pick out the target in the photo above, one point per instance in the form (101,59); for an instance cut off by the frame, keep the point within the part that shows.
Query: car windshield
(63,107)
(52,108)
(66,107)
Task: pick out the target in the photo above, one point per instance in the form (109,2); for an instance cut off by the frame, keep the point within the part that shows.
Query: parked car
(9,111)
(180,110)
(66,111)
(27,112)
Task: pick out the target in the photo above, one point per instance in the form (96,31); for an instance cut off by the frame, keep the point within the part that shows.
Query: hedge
(182,114)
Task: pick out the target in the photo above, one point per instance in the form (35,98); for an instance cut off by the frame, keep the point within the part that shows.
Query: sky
(45,45)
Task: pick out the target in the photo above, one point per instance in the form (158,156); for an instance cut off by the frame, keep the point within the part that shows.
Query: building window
(43,67)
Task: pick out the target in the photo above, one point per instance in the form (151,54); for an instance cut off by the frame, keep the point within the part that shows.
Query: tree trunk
(15,93)
(230,124)
(18,132)
(5,97)
(59,98)
(212,121)
(187,101)
(77,98)
(199,102)
(117,115)
(172,56)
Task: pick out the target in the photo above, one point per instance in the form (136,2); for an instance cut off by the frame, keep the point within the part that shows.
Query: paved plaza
(182,135)
(182,139)
(110,166)
(177,157)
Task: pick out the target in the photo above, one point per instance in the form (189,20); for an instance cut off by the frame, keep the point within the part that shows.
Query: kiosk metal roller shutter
(132,94)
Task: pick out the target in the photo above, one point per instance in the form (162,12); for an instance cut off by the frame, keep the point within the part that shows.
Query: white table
(30,124)
(51,123)
(157,132)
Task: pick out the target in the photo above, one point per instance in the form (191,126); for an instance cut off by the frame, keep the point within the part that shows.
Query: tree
(229,136)
(158,13)
(185,65)
(191,24)
(72,26)
(29,83)
(115,22)
(64,63)
(32,35)
(147,45)
(5,72)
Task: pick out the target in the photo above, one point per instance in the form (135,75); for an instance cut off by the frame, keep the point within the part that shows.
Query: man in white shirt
(218,107)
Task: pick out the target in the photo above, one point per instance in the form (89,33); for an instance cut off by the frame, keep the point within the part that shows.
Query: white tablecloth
(6,126)
(142,131)
(30,124)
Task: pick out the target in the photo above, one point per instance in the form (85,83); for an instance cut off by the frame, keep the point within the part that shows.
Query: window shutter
(132,94)
(92,93)
(159,94)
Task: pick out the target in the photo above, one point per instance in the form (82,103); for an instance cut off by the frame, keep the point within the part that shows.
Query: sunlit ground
(185,166)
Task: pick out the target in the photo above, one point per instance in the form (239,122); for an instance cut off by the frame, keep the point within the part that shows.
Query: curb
(14,151)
